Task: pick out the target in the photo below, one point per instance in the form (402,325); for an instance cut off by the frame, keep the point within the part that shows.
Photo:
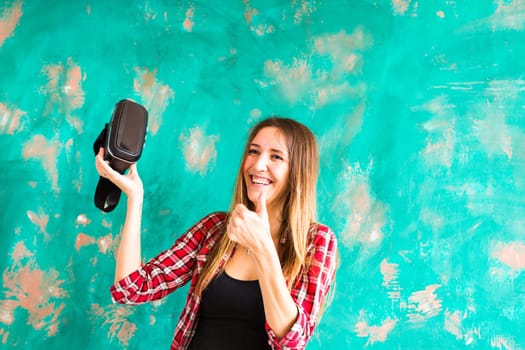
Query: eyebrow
(273,149)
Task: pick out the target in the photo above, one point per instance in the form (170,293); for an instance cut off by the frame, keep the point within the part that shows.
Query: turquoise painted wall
(418,107)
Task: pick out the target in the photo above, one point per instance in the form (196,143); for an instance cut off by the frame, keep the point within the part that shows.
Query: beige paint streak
(83,240)
(344,50)
(105,243)
(20,251)
(294,80)
(9,19)
(454,325)
(5,336)
(402,7)
(504,343)
(511,254)
(424,304)
(390,273)
(492,130)
(64,91)
(10,120)
(433,219)
(116,317)
(155,95)
(508,15)
(493,133)
(303,10)
(249,12)
(83,220)
(188,21)
(7,308)
(375,333)
(199,150)
(37,291)
(259,29)
(40,220)
(364,215)
(441,128)
(345,53)
(46,152)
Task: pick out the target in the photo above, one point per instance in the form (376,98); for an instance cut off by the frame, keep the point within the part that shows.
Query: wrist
(135,199)
(265,250)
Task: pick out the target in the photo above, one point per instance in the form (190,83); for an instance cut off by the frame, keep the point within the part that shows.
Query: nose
(261,163)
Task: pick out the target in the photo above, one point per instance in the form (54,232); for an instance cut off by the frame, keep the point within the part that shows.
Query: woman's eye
(253,151)
(276,157)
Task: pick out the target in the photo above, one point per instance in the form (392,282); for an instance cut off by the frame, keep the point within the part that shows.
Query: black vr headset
(122,139)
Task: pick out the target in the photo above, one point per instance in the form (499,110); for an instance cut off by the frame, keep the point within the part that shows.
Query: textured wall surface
(418,107)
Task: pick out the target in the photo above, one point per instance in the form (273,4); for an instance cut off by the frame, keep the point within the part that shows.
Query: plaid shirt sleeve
(310,289)
(170,269)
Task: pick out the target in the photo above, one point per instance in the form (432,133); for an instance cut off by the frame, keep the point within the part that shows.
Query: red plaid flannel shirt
(185,260)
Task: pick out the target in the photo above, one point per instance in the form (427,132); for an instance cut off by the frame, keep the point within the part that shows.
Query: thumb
(133,169)
(260,205)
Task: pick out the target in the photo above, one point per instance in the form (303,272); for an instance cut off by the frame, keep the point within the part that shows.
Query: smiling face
(266,167)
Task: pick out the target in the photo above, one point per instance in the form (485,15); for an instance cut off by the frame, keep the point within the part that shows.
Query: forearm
(279,307)
(128,257)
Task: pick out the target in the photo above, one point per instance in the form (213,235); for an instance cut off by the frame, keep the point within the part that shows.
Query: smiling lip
(258,180)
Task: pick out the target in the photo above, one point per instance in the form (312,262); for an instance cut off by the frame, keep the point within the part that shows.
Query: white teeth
(260,180)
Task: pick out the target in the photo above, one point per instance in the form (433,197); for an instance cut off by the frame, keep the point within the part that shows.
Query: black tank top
(231,316)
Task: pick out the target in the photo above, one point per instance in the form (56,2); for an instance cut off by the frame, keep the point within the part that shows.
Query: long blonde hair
(300,205)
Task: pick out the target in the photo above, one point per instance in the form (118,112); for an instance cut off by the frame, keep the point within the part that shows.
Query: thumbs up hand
(250,229)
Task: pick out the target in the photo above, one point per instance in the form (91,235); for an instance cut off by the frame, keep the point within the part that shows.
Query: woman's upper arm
(170,269)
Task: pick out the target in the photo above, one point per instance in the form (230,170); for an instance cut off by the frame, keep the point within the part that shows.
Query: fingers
(260,206)
(133,169)
(101,165)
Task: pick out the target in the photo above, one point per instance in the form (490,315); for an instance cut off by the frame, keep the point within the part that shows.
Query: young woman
(259,274)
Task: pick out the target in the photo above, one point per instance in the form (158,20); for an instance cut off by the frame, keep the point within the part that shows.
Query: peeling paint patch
(83,220)
(37,291)
(390,272)
(511,254)
(248,12)
(454,325)
(441,129)
(10,120)
(303,10)
(504,343)
(294,80)
(41,220)
(105,243)
(20,251)
(83,240)
(199,150)
(302,80)
(344,50)
(116,317)
(64,91)
(45,151)
(401,7)
(188,21)
(508,15)
(375,333)
(424,304)
(365,216)
(155,95)
(9,19)
(493,133)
